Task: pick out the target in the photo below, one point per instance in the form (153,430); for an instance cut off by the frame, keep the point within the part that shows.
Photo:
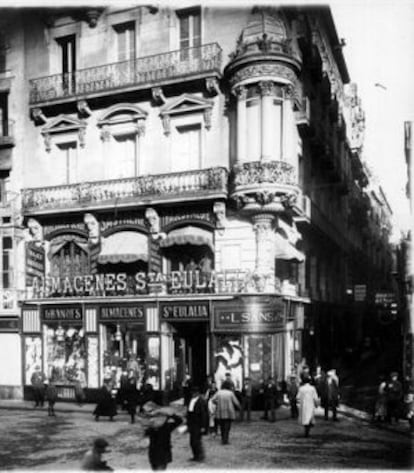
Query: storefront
(164,340)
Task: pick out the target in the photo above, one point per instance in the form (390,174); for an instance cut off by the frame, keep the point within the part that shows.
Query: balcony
(160,188)
(140,73)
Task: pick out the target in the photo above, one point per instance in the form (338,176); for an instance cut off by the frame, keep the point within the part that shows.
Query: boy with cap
(92,461)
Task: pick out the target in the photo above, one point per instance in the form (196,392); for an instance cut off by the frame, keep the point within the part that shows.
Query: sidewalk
(10,404)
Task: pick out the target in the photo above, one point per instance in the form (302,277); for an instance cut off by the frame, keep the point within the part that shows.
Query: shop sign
(35,262)
(184,311)
(62,313)
(250,316)
(119,284)
(9,324)
(123,312)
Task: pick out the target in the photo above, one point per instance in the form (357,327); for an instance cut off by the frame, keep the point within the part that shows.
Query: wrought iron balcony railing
(151,70)
(198,183)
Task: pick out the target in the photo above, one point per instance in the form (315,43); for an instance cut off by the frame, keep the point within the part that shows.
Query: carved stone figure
(35,230)
(153,220)
(92,226)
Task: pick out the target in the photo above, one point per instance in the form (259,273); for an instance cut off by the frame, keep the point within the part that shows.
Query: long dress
(308,399)
(106,405)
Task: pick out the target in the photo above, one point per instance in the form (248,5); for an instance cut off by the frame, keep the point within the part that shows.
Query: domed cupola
(264,48)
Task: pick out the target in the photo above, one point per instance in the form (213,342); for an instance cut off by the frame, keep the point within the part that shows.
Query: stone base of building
(11,392)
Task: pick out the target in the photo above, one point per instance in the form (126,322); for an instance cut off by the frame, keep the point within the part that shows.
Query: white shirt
(192,404)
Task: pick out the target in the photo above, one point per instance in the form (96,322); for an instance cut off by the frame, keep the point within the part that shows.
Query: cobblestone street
(32,440)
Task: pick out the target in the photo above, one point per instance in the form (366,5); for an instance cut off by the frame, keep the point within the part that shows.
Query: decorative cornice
(280,72)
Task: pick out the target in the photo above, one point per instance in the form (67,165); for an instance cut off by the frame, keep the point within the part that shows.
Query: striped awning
(285,250)
(188,235)
(125,247)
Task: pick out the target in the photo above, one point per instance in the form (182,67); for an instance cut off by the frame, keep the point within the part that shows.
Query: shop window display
(123,349)
(33,356)
(65,353)
(229,357)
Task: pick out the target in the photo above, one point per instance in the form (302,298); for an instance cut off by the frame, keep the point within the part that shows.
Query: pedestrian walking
(211,407)
(307,398)
(92,461)
(380,411)
(246,399)
(292,392)
(394,393)
(197,423)
(409,407)
(227,403)
(80,385)
(131,395)
(319,379)
(38,382)
(106,406)
(51,394)
(187,383)
(228,382)
(330,394)
(159,433)
(270,395)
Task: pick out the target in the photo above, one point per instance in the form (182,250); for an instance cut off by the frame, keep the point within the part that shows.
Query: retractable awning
(285,250)
(125,247)
(188,235)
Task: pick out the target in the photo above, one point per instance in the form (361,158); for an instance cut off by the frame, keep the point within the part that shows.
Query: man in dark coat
(394,396)
(38,383)
(197,423)
(159,433)
(330,394)
(131,395)
(270,395)
(51,397)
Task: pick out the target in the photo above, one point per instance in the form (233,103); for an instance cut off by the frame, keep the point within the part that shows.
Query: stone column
(241,94)
(267,125)
(265,253)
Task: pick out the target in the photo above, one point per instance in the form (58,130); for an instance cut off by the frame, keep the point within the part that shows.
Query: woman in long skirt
(308,401)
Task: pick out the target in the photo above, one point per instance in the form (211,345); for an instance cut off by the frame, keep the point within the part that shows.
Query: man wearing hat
(394,393)
(330,394)
(162,422)
(92,461)
(197,423)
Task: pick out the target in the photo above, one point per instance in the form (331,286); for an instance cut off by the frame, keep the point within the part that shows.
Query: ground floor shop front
(165,341)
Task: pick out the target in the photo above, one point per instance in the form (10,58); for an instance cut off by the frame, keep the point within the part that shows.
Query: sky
(379,48)
(379,37)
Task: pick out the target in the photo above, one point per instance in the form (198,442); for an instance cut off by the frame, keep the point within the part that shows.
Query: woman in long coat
(308,400)
(106,405)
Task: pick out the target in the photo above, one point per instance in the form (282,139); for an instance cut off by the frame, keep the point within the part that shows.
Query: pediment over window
(64,124)
(184,104)
(125,115)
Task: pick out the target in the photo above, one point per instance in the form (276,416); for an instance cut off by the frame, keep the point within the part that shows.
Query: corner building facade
(164,189)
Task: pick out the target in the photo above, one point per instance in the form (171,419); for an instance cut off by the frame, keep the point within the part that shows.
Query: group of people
(391,403)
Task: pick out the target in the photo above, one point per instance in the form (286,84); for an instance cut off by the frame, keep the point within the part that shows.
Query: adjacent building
(190,196)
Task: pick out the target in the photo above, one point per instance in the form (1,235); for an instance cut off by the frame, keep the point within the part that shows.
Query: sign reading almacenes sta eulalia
(140,283)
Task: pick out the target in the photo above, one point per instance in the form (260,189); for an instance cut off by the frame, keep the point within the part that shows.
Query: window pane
(196,29)
(7,243)
(187,148)
(124,156)
(184,28)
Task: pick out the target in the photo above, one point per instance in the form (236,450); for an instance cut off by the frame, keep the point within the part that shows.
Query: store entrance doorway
(191,351)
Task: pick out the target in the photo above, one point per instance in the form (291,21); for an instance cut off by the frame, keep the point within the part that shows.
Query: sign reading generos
(62,313)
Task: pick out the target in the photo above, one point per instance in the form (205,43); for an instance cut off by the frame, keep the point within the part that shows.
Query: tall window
(7,263)
(125,41)
(3,189)
(187,148)
(67,46)
(190,28)
(4,131)
(190,31)
(124,162)
(67,162)
(3,52)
